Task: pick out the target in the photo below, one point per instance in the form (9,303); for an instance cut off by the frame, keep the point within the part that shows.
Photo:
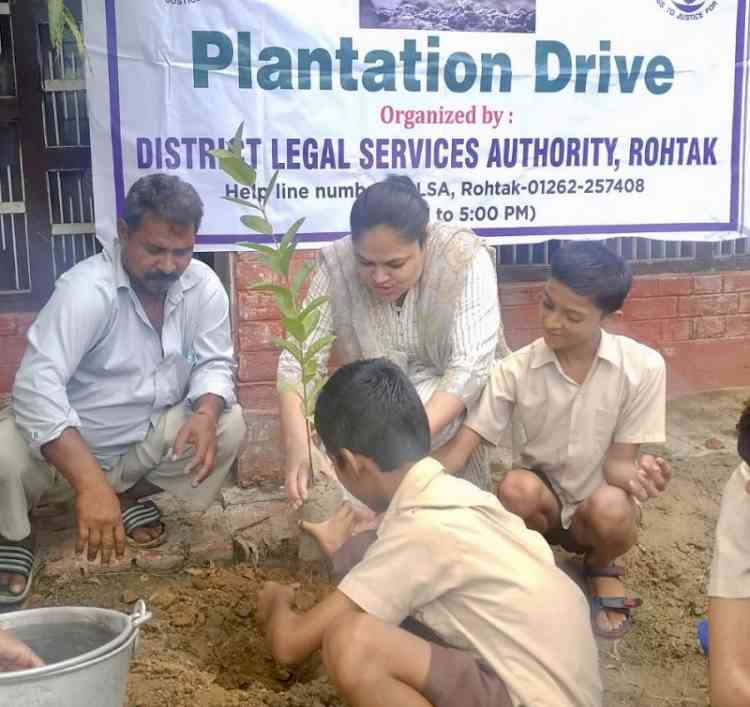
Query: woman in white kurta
(422,295)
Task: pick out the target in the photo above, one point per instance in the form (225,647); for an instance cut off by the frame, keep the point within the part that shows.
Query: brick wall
(700,323)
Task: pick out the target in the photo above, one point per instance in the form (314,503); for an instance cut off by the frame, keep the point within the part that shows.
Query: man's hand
(99,520)
(15,655)
(651,477)
(199,431)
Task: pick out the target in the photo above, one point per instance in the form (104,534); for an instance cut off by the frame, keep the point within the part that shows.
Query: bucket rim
(132,623)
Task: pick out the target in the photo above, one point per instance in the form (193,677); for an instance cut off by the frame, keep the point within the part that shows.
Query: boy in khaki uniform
(729,587)
(586,400)
(493,622)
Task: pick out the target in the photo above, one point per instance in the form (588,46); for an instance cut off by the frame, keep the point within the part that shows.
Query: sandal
(621,605)
(143,514)
(18,558)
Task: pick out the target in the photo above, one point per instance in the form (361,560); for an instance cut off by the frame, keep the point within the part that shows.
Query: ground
(202,648)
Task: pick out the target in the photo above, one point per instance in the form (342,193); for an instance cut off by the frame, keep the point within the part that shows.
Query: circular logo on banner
(687,9)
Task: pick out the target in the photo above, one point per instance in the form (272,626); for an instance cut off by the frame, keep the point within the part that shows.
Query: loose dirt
(203,647)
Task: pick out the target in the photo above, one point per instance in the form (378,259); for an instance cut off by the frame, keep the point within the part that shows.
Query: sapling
(285,286)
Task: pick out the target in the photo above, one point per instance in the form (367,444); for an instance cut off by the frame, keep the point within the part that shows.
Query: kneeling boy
(586,400)
(729,587)
(507,627)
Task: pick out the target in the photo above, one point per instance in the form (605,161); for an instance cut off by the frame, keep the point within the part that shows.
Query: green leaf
(272,263)
(291,233)
(312,396)
(310,322)
(319,345)
(294,326)
(285,303)
(55,13)
(242,202)
(269,287)
(267,249)
(309,371)
(75,30)
(290,346)
(258,224)
(238,169)
(300,276)
(270,187)
(220,154)
(236,144)
(315,304)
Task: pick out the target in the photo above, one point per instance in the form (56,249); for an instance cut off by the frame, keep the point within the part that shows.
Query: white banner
(523,119)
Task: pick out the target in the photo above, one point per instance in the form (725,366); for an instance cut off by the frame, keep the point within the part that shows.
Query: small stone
(243,610)
(714,443)
(163,600)
(183,618)
(281,673)
(129,597)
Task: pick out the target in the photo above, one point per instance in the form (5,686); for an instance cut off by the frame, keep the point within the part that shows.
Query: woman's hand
(15,655)
(297,472)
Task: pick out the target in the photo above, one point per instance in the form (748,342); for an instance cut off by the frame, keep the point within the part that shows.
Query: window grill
(71,213)
(15,272)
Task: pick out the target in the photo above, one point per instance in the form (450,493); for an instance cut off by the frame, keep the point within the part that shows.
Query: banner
(522,119)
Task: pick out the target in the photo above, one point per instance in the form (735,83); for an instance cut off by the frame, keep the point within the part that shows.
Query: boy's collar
(415,481)
(607,350)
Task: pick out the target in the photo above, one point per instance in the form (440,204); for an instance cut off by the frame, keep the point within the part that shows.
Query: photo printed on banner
(449,15)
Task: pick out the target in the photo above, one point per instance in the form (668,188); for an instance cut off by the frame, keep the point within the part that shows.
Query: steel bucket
(87,652)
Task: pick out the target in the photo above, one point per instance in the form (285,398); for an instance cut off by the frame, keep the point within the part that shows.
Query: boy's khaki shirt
(452,557)
(730,570)
(568,428)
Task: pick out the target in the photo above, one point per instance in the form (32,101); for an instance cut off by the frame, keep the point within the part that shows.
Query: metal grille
(65,113)
(71,213)
(15,274)
(728,249)
(633,249)
(7,65)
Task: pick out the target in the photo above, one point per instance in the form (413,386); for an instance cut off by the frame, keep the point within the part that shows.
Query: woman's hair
(371,408)
(394,202)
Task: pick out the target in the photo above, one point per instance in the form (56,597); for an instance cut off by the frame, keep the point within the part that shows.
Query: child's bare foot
(331,534)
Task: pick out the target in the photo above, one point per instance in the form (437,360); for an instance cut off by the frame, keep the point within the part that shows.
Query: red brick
(7,376)
(524,316)
(259,398)
(677,285)
(518,338)
(644,287)
(25,320)
(255,305)
(518,296)
(707,283)
(745,302)
(12,349)
(7,324)
(647,332)
(709,327)
(256,336)
(708,305)
(738,326)
(705,364)
(734,282)
(258,366)
(652,308)
(676,329)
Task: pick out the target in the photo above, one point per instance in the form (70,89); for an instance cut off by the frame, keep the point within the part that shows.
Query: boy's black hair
(371,408)
(743,434)
(394,202)
(595,272)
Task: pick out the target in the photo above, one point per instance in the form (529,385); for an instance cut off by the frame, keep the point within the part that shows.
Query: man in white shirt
(126,388)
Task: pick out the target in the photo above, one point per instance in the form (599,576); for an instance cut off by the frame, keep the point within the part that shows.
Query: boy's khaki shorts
(459,679)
